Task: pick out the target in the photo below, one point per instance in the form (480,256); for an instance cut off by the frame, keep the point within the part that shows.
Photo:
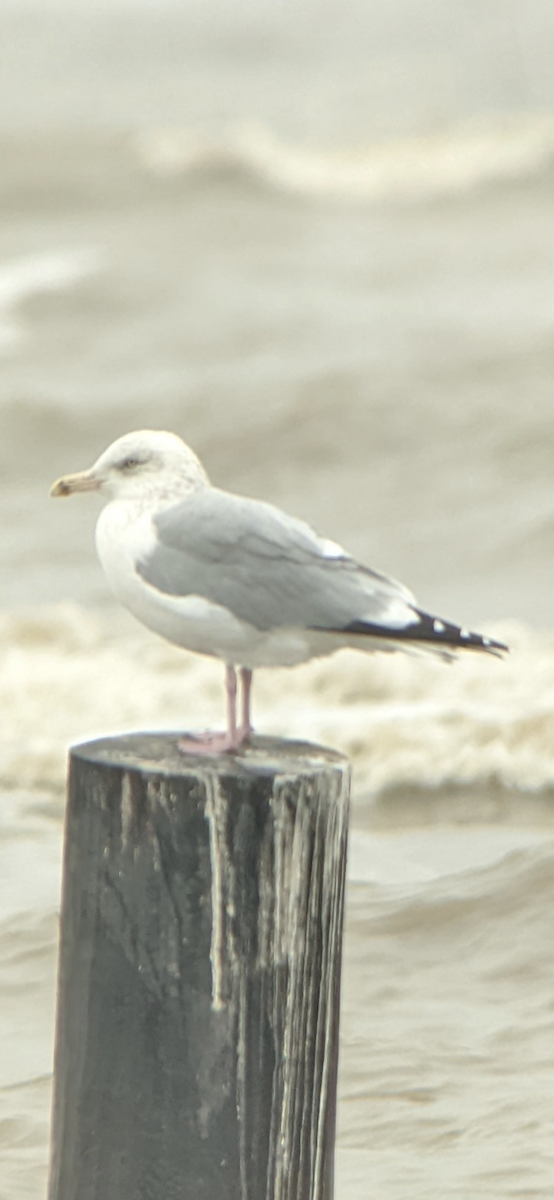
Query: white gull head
(140,467)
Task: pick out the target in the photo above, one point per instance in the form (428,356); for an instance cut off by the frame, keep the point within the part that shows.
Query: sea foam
(67,674)
(29,276)
(415,168)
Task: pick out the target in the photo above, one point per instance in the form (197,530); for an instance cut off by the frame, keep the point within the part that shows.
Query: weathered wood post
(198,1005)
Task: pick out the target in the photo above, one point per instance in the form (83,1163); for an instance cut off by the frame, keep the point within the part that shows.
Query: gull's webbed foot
(210,742)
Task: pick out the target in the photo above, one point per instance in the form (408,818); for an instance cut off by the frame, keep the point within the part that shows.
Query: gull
(239,579)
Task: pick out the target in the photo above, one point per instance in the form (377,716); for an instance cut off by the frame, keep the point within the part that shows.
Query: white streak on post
(289,888)
(215,816)
(126,810)
(155,794)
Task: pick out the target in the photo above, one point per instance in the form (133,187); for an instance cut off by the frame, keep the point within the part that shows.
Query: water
(323,252)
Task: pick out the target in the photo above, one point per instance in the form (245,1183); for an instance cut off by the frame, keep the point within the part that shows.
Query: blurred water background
(316,240)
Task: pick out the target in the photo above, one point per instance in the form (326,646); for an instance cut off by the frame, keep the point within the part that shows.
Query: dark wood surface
(199,979)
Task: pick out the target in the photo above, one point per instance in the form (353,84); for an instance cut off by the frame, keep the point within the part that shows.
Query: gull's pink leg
(218,743)
(246,680)
(231,689)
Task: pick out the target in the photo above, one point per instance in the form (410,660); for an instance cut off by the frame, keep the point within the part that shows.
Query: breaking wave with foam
(32,275)
(409,169)
(67,674)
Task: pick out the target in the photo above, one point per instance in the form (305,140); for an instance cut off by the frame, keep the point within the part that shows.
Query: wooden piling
(199,977)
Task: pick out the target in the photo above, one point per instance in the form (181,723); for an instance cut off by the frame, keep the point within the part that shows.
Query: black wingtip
(435,630)
(432,631)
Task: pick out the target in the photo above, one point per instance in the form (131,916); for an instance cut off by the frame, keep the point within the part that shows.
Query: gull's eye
(130,464)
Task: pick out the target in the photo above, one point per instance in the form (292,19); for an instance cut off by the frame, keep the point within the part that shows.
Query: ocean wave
(417,168)
(32,275)
(69,674)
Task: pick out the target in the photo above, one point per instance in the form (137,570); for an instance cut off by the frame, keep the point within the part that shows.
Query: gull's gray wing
(267,568)
(274,572)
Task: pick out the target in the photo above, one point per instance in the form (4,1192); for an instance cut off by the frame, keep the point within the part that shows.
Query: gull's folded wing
(273,571)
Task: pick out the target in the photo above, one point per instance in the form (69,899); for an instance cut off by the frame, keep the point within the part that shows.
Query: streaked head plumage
(145,464)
